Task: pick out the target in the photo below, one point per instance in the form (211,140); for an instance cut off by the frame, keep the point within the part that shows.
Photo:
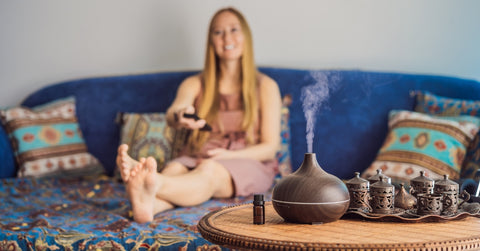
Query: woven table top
(233,227)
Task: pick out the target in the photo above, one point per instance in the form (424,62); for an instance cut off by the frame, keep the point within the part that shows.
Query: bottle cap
(258,199)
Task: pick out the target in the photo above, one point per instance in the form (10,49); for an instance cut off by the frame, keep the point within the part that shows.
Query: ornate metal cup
(421,184)
(429,204)
(359,196)
(374,178)
(450,191)
(382,197)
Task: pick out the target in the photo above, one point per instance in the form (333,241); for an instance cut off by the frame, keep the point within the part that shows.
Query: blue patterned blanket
(92,214)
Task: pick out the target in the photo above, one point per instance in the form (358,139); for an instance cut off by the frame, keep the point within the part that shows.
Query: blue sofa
(350,127)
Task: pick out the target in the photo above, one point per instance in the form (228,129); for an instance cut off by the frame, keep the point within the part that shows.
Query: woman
(235,158)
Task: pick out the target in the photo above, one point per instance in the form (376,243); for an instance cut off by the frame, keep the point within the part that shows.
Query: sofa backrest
(350,126)
(7,160)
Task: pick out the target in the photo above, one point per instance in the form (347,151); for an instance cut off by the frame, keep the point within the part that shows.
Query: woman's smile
(229,47)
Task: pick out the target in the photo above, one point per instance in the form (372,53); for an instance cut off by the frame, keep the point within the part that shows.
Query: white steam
(313,97)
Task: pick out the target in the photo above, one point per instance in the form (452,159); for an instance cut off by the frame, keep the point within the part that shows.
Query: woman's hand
(189,123)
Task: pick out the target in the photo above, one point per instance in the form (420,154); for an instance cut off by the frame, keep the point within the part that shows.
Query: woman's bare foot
(125,163)
(142,188)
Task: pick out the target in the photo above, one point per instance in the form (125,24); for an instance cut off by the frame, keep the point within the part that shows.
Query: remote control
(194,116)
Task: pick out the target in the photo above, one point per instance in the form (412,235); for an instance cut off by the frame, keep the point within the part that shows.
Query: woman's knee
(217,175)
(174,168)
(210,167)
(213,170)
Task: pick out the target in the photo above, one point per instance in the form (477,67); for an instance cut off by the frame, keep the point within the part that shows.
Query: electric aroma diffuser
(310,195)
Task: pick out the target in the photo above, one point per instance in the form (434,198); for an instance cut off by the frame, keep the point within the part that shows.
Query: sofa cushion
(147,134)
(47,140)
(442,106)
(94,213)
(420,142)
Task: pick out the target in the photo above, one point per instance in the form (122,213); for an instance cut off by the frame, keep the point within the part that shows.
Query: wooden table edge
(238,241)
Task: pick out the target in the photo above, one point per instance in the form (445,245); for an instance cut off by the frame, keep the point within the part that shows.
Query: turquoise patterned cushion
(420,142)
(442,106)
(47,140)
(147,134)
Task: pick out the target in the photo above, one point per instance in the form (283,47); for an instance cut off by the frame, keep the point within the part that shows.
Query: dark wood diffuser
(310,195)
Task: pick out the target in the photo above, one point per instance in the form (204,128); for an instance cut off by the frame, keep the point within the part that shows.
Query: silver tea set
(376,195)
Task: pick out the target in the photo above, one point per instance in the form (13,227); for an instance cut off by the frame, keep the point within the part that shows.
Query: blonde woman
(237,156)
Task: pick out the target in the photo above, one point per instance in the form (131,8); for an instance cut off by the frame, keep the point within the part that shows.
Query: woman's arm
(183,103)
(270,115)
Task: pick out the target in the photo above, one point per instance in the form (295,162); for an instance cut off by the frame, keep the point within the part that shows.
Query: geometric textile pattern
(93,213)
(47,139)
(147,134)
(442,106)
(419,142)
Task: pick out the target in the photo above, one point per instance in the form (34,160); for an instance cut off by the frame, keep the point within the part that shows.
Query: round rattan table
(232,227)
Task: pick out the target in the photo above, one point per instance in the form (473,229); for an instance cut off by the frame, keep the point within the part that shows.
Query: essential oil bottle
(258,209)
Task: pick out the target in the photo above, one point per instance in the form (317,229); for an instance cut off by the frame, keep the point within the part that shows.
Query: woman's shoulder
(192,83)
(194,80)
(190,87)
(266,83)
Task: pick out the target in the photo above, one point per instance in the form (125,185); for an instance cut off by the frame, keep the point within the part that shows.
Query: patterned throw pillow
(443,106)
(47,140)
(147,134)
(420,142)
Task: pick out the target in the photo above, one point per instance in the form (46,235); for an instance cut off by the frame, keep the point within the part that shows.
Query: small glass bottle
(258,209)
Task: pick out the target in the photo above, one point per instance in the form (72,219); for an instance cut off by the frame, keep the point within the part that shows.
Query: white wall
(48,41)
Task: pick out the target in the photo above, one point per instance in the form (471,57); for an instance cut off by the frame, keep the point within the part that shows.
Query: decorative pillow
(147,134)
(419,142)
(47,140)
(442,106)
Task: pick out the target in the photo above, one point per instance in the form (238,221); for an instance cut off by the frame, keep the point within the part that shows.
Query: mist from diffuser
(313,97)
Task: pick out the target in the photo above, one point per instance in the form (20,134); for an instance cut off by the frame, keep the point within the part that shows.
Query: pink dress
(249,176)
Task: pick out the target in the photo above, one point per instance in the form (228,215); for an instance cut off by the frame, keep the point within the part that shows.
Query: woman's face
(227,36)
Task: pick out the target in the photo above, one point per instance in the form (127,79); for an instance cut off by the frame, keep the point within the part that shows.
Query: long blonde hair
(210,102)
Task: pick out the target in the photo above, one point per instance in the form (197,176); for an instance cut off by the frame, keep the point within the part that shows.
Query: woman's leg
(209,179)
(148,190)
(174,168)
